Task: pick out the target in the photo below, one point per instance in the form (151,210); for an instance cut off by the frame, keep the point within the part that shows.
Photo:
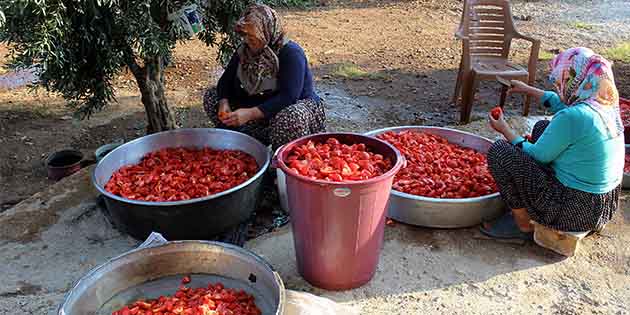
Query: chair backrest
(489,26)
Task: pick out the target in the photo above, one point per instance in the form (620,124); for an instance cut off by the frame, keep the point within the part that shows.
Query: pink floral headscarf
(581,76)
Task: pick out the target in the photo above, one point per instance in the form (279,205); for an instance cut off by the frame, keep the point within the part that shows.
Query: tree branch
(130,60)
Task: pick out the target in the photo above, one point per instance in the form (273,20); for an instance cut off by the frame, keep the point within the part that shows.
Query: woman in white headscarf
(267,88)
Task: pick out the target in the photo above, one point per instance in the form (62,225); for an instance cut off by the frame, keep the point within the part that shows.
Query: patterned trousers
(304,118)
(525,183)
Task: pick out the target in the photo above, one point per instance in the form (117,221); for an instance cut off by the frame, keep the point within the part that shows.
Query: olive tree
(81,46)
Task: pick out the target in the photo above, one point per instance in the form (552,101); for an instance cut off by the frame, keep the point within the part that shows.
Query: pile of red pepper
(626,168)
(336,162)
(180,173)
(439,169)
(213,300)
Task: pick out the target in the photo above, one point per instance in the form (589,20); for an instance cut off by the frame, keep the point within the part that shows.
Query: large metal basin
(150,272)
(199,218)
(444,213)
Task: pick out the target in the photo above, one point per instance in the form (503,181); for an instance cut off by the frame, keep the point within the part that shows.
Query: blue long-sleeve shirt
(577,146)
(295,82)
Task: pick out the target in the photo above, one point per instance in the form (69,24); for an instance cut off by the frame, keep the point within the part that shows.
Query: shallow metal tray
(444,213)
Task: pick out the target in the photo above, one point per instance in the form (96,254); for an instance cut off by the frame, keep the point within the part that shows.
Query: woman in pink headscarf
(568,176)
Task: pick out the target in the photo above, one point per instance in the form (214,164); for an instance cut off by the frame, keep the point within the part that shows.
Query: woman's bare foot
(522,219)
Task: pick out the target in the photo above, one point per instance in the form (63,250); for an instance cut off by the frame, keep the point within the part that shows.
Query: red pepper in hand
(496,113)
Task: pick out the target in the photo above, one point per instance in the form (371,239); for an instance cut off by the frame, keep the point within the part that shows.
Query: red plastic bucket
(338,227)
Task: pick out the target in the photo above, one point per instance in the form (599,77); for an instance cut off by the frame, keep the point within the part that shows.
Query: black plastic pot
(195,219)
(63,163)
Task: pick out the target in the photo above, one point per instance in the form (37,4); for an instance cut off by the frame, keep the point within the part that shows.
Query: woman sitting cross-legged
(568,176)
(267,88)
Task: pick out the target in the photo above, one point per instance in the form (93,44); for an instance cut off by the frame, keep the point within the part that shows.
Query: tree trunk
(151,83)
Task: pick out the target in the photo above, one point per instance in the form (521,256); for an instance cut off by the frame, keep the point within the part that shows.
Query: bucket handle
(274,158)
(404,161)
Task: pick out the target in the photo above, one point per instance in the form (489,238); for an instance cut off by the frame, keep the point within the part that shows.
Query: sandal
(506,228)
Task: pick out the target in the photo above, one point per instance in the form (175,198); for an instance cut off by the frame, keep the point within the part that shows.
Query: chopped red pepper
(215,299)
(626,168)
(179,174)
(336,162)
(439,169)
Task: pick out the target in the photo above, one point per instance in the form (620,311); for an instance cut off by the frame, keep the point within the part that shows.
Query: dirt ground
(405,48)
(54,237)
(408,60)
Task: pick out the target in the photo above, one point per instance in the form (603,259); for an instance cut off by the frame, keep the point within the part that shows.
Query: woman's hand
(242,116)
(519,87)
(500,125)
(224,109)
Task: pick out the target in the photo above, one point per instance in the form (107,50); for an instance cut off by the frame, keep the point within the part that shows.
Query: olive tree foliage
(81,46)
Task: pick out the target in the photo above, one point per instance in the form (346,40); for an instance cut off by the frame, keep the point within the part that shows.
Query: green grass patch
(582,26)
(354,72)
(289,3)
(621,52)
(545,55)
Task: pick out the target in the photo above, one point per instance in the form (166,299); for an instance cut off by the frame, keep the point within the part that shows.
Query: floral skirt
(294,121)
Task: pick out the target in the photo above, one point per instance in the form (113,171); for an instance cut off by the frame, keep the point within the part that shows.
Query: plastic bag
(188,19)
(302,303)
(154,239)
(298,303)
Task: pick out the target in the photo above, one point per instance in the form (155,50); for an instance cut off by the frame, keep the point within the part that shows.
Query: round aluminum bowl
(444,213)
(626,176)
(199,218)
(147,273)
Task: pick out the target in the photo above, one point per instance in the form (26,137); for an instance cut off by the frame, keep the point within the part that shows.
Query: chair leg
(468,95)
(528,100)
(504,90)
(458,84)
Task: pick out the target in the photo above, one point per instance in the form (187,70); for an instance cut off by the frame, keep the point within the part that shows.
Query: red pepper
(439,169)
(626,168)
(223,115)
(186,280)
(496,112)
(336,162)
